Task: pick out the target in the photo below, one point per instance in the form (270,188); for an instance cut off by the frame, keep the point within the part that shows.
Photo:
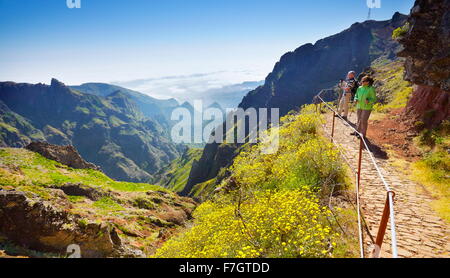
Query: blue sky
(122,40)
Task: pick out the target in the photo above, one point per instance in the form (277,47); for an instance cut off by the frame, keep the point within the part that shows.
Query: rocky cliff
(66,155)
(427,52)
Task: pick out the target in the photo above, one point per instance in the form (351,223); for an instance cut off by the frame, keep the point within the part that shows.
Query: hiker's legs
(365,114)
(338,102)
(358,121)
(346,104)
(341,105)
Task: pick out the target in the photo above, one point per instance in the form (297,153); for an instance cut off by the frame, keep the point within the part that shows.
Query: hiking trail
(421,233)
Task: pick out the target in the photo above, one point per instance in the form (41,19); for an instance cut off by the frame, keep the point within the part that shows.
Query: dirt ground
(391,133)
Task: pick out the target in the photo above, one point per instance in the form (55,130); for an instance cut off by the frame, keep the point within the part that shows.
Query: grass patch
(401,31)
(108,204)
(39,191)
(9,128)
(434,172)
(83,110)
(34,169)
(177,173)
(76,199)
(202,190)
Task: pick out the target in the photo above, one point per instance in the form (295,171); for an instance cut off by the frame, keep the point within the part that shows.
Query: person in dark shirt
(350,85)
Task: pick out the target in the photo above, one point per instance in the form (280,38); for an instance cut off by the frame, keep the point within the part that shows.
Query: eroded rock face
(427,44)
(40,226)
(88,191)
(429,105)
(66,155)
(427,53)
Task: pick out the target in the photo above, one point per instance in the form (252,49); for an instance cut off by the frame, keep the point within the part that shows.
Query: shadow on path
(377,151)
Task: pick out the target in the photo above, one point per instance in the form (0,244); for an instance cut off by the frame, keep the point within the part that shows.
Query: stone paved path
(420,231)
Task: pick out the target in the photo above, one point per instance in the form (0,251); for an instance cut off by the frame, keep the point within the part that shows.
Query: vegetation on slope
(159,110)
(144,214)
(275,205)
(401,31)
(15,130)
(175,176)
(433,170)
(392,90)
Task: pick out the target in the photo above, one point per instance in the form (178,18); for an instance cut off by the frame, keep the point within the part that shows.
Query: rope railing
(388,212)
(358,208)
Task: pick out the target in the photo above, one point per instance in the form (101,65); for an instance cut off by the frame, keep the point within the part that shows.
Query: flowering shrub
(287,223)
(304,158)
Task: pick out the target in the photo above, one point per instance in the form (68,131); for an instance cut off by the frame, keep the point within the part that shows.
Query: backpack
(354,88)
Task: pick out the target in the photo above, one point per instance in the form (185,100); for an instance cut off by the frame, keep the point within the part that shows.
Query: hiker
(349,88)
(365,99)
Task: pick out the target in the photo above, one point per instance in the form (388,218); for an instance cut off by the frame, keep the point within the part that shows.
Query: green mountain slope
(110,131)
(15,130)
(150,107)
(175,176)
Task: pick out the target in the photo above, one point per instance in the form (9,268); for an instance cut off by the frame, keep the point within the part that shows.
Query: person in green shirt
(365,98)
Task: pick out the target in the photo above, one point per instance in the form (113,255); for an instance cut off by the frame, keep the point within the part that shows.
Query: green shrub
(400,31)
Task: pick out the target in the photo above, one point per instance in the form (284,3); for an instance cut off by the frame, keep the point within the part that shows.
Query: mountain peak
(56,83)
(398,16)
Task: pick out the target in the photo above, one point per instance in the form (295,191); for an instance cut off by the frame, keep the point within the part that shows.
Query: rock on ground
(66,155)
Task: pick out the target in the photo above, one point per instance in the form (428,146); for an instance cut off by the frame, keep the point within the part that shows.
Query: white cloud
(194,86)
